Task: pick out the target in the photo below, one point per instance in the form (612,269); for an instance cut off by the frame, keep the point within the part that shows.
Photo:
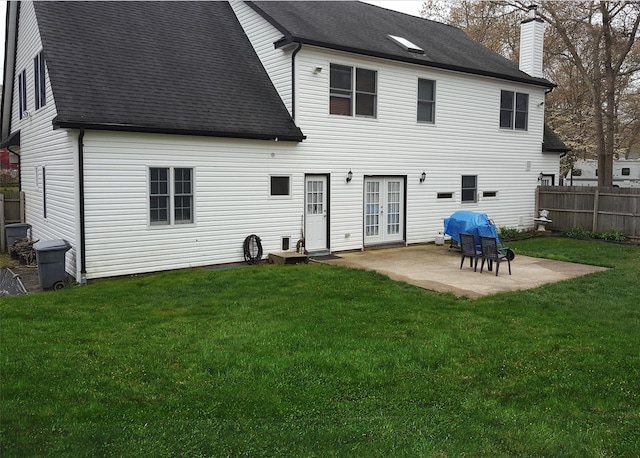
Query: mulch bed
(29,277)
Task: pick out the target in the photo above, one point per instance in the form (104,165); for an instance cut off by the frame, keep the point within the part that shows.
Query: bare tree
(592,54)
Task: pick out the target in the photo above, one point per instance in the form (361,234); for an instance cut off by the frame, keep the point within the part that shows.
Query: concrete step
(288,257)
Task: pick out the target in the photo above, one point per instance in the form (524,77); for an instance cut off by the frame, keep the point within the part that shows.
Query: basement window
(280,186)
(445,195)
(626,171)
(489,194)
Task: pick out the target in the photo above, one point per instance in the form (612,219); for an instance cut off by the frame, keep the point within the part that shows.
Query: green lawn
(317,360)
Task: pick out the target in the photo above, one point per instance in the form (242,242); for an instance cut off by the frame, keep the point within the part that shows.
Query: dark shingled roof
(551,142)
(167,67)
(362,28)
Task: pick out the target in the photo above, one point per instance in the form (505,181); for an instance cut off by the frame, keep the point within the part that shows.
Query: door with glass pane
(383,210)
(316,216)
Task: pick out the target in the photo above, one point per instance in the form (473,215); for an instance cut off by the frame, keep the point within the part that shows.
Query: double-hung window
(170,195)
(22,92)
(40,90)
(514,110)
(426,100)
(343,100)
(469,188)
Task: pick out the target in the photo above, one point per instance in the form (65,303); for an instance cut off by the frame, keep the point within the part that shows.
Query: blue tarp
(469,223)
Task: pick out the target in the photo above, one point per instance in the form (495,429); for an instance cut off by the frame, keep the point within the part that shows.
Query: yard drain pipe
(83,258)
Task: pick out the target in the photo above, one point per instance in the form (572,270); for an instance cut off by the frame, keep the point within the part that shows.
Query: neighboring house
(158,135)
(626,173)
(6,161)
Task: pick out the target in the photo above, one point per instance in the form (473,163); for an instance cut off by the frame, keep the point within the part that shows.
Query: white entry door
(383,210)
(316,220)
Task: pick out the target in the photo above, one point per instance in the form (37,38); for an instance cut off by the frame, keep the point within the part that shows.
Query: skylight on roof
(406,44)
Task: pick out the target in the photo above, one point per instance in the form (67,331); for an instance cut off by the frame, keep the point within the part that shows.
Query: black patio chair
(490,253)
(468,250)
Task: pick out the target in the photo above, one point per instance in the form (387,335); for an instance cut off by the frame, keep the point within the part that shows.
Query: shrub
(613,235)
(8,178)
(579,233)
(507,233)
(610,235)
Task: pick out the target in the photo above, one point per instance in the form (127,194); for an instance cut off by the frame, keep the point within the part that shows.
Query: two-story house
(159,135)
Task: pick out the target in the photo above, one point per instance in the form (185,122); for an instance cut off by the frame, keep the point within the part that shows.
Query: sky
(404,6)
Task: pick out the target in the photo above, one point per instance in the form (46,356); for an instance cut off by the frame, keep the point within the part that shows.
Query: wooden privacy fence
(591,208)
(11,211)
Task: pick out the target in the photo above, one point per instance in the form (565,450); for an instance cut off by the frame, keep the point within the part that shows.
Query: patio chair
(490,253)
(468,250)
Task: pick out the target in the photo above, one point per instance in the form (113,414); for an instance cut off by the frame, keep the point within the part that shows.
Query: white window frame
(279,196)
(487,195)
(39,83)
(431,103)
(22,93)
(172,196)
(463,189)
(352,92)
(513,111)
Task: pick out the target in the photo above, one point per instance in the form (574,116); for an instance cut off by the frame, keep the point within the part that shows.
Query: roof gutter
(58,123)
(535,81)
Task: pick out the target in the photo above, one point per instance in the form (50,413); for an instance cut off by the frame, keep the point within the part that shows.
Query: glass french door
(383,210)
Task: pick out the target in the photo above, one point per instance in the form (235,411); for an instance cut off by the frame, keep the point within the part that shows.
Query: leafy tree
(591,52)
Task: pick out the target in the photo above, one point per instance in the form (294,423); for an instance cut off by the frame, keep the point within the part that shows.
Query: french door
(383,210)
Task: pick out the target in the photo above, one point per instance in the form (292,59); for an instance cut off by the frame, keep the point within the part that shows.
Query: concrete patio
(436,268)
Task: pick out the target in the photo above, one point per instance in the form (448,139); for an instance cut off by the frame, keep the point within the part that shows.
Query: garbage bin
(50,255)
(16,232)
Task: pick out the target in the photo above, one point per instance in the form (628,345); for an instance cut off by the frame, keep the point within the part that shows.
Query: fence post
(2,237)
(23,218)
(596,203)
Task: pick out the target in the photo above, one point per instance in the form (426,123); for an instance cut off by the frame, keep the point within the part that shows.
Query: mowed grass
(316,360)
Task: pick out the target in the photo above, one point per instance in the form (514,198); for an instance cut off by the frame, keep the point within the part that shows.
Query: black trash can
(16,232)
(50,255)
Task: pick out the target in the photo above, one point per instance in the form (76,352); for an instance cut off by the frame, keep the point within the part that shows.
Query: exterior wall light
(540,177)
(423,177)
(349,176)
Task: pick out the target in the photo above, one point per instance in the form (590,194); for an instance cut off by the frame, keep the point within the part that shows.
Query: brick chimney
(531,43)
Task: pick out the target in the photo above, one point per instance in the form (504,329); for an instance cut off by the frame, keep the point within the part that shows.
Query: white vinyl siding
(465,141)
(48,157)
(232,177)
(262,36)
(231,180)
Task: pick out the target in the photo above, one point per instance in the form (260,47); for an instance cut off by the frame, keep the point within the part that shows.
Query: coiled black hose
(252,249)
